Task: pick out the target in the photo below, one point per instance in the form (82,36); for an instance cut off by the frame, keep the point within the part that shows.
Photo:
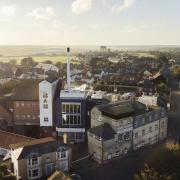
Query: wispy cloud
(122,6)
(96,26)
(134,28)
(81,6)
(42,13)
(7,12)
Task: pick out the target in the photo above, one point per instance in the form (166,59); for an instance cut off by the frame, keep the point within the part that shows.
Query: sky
(89,22)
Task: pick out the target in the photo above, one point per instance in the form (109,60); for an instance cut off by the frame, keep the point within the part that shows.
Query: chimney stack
(68,70)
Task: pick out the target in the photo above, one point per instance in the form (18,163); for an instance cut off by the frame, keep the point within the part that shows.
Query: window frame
(61,154)
(71,114)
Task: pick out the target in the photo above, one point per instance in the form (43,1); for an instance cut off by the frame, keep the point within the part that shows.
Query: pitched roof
(38,146)
(27,90)
(7,138)
(103,131)
(52,79)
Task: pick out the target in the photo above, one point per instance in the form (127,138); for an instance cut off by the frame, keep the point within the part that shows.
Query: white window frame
(30,173)
(30,161)
(72,114)
(60,154)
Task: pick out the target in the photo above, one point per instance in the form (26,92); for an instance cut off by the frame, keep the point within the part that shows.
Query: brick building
(25,104)
(6,116)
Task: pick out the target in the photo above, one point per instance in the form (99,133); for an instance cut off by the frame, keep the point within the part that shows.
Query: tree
(27,61)
(176,72)
(48,62)
(162,87)
(3,170)
(8,86)
(166,160)
(59,65)
(147,173)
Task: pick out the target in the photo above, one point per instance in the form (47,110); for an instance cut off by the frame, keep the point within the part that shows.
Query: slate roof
(27,90)
(52,79)
(38,146)
(155,113)
(122,109)
(103,131)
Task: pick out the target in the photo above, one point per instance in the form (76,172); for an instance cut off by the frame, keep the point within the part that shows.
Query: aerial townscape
(93,113)
(89,90)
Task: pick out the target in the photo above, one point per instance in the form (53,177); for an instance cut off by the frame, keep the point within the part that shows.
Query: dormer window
(61,154)
(99,118)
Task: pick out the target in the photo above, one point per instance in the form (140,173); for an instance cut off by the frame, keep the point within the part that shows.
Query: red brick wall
(26,112)
(5,116)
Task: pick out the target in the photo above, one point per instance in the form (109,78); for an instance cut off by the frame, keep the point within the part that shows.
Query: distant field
(141,54)
(54,59)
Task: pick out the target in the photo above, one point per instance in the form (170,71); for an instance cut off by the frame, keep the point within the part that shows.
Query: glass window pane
(75,119)
(71,120)
(67,108)
(71,108)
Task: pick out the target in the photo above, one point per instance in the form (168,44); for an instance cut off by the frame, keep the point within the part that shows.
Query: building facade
(39,158)
(119,127)
(25,106)
(6,117)
(71,115)
(149,128)
(47,91)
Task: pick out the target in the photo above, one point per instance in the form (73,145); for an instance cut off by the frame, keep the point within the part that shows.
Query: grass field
(141,54)
(54,59)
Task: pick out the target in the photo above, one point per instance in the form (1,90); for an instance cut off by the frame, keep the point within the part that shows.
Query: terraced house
(39,158)
(119,127)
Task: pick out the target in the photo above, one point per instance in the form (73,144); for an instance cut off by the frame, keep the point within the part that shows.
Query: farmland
(39,59)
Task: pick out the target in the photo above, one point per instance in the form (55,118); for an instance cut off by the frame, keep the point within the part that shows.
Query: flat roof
(72,94)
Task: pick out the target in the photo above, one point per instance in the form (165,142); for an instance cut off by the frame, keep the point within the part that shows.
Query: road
(119,169)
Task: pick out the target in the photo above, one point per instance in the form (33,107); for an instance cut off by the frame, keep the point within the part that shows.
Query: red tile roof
(7,138)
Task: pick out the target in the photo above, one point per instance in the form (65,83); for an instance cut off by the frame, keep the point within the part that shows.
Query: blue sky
(89,22)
